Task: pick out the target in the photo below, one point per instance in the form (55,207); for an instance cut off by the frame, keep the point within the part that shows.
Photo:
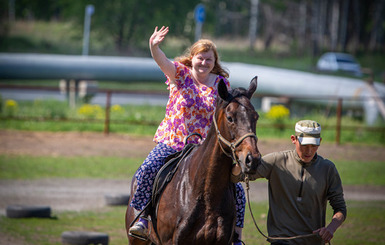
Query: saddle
(164,176)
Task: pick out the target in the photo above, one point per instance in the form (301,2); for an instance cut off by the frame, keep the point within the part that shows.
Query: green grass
(56,116)
(364,225)
(79,126)
(33,167)
(48,231)
(37,167)
(362,173)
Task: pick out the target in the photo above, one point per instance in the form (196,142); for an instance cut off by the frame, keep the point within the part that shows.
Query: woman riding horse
(198,205)
(192,80)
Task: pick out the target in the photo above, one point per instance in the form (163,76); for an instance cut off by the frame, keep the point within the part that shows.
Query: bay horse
(198,205)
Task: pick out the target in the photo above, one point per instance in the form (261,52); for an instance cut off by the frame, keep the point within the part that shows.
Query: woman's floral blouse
(189,109)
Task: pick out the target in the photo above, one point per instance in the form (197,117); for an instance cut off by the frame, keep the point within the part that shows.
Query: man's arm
(337,202)
(263,169)
(327,233)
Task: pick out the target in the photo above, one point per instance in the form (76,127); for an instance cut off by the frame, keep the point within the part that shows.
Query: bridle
(232,146)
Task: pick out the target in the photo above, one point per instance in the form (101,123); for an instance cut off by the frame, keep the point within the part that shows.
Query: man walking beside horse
(300,184)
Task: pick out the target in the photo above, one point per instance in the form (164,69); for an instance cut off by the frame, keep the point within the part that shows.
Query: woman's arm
(160,58)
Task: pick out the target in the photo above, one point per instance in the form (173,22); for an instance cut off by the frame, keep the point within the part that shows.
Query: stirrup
(138,237)
(143,238)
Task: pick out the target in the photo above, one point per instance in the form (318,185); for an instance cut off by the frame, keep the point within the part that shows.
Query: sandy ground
(87,194)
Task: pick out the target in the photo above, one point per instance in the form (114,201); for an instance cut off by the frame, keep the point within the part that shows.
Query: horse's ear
(252,87)
(222,90)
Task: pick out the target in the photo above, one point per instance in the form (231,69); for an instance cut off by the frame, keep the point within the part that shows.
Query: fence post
(338,127)
(72,96)
(107,117)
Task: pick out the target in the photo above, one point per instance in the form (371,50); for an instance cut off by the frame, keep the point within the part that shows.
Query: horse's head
(235,122)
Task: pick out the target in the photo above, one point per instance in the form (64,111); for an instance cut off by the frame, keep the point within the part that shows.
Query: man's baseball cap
(308,132)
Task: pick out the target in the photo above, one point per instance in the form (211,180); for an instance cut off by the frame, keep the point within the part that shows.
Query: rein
(255,223)
(232,146)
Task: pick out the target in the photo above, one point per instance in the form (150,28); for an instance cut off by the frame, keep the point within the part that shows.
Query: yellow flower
(91,111)
(278,112)
(10,108)
(117,108)
(10,104)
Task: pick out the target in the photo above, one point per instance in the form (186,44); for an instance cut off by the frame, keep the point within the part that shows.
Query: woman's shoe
(139,229)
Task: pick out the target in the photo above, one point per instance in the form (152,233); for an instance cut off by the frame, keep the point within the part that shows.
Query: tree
(131,22)
(311,26)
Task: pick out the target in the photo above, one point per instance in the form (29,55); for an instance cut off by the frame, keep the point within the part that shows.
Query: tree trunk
(314,28)
(378,19)
(302,26)
(253,23)
(334,25)
(357,26)
(344,24)
(269,26)
(322,22)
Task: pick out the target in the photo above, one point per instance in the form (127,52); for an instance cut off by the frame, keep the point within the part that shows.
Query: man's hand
(325,233)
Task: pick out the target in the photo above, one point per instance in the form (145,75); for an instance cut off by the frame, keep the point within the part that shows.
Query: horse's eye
(230,119)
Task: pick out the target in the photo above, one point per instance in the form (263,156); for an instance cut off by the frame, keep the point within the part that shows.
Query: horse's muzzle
(251,163)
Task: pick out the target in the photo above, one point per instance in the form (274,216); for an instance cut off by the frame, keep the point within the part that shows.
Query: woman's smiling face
(203,63)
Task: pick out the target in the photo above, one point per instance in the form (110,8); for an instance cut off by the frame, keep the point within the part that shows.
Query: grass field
(37,167)
(365,223)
